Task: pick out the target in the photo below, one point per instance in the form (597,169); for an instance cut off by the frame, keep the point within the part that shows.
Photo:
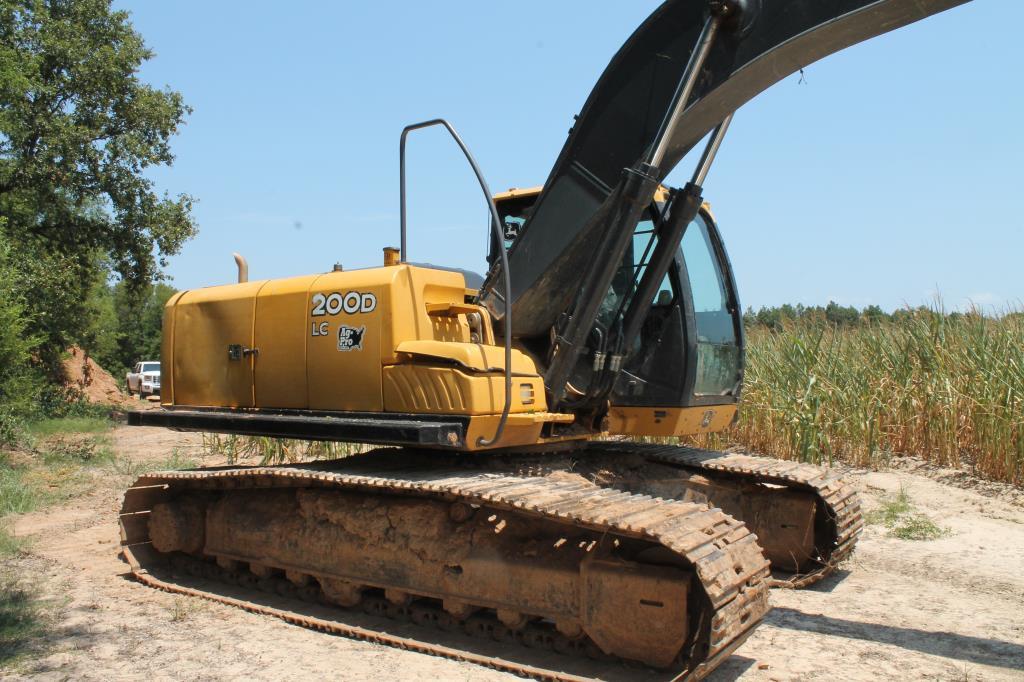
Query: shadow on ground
(732,669)
(979,650)
(22,617)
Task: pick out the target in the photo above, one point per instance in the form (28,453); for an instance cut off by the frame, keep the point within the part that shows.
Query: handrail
(496,225)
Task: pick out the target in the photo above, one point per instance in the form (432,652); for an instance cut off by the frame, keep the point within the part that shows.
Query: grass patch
(56,483)
(892,510)
(917,527)
(52,466)
(126,466)
(184,607)
(83,424)
(898,514)
(9,545)
(83,451)
(55,473)
(24,618)
(17,496)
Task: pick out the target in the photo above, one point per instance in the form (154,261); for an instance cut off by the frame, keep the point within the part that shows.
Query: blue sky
(891,172)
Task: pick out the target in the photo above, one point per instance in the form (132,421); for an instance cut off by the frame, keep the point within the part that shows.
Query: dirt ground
(946,609)
(96,384)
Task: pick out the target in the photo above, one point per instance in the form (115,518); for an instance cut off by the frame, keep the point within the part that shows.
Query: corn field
(262,450)
(948,389)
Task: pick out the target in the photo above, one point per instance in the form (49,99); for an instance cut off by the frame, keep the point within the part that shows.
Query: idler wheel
(178,526)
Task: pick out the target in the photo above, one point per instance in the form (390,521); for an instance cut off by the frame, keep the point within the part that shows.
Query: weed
(126,466)
(891,510)
(917,527)
(9,545)
(17,495)
(898,515)
(177,461)
(184,607)
(277,450)
(85,451)
(12,427)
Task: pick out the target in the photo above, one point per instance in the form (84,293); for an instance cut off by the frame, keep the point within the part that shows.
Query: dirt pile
(95,384)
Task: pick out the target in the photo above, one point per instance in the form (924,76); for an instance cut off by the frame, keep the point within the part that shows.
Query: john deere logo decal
(350,338)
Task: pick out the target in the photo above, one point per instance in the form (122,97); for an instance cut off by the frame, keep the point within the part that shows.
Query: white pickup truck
(144,379)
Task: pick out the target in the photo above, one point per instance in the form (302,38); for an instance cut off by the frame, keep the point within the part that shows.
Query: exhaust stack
(243,268)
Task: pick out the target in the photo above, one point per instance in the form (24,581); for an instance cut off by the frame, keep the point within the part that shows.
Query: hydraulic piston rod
(684,90)
(636,191)
(684,208)
(710,151)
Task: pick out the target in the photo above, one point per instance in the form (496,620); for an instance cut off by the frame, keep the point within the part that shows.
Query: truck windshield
(151,367)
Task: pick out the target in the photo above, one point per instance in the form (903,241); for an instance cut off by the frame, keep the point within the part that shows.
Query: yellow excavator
(529,494)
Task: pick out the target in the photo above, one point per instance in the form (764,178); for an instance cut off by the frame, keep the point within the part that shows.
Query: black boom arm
(637,124)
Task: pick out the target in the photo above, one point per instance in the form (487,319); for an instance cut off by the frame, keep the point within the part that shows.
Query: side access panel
(207,324)
(282,331)
(344,323)
(167,350)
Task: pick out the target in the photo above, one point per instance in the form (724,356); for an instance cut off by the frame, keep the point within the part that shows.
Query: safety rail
(496,225)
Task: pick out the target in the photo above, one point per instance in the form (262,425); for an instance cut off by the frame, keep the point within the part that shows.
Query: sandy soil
(96,384)
(947,609)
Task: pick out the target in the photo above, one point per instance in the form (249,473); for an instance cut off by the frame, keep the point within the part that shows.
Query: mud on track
(942,609)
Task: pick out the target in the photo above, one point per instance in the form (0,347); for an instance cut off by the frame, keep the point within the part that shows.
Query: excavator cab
(689,353)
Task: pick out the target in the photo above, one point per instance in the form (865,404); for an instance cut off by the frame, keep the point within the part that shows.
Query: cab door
(714,325)
(690,349)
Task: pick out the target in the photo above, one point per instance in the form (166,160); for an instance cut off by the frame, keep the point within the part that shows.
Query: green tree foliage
(128,326)
(776,318)
(18,381)
(78,132)
(15,345)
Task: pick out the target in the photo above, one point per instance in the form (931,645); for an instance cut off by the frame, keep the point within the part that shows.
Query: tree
(126,326)
(78,131)
(17,385)
(874,314)
(140,323)
(841,315)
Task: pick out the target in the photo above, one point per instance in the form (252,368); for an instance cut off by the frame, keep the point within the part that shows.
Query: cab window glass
(631,270)
(513,213)
(718,354)
(637,259)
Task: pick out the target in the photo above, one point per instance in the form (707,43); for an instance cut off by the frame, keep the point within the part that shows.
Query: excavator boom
(759,43)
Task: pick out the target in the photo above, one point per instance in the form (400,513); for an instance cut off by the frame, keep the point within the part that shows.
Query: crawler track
(839,512)
(731,572)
